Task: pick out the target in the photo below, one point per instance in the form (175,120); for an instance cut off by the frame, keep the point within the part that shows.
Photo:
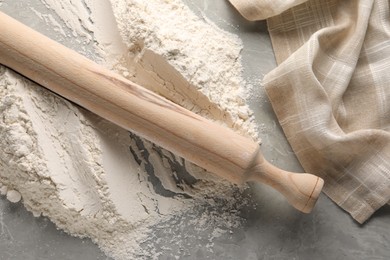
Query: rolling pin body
(213,147)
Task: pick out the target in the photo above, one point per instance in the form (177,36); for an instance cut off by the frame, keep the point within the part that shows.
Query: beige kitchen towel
(331,93)
(263,9)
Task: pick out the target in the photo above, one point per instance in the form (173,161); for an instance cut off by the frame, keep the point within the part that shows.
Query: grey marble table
(271,230)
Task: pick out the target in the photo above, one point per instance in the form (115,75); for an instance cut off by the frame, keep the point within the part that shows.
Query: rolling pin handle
(300,189)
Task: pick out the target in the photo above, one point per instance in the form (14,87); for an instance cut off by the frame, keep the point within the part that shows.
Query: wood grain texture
(205,143)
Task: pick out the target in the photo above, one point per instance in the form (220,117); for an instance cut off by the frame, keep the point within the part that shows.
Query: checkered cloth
(331,92)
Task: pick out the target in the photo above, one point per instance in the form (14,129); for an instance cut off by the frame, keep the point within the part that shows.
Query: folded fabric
(263,9)
(331,93)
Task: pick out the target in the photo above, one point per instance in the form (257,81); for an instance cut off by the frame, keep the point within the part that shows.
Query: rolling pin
(213,147)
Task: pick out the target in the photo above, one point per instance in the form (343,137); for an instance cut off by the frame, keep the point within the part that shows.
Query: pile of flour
(94,179)
(198,50)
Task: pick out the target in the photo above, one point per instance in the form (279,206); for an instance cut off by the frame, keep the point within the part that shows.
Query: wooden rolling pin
(213,147)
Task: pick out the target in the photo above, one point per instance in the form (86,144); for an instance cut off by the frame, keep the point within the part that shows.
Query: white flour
(207,57)
(78,170)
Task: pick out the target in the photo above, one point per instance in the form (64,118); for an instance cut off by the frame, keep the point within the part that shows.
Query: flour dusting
(207,57)
(94,179)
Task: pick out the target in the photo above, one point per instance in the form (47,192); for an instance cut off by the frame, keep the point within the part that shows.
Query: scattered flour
(207,57)
(3,190)
(14,196)
(94,179)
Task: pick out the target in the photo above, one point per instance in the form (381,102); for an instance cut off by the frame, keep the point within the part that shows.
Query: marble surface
(273,230)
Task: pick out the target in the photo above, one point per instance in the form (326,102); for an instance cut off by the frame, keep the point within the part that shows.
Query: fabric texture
(331,94)
(260,10)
